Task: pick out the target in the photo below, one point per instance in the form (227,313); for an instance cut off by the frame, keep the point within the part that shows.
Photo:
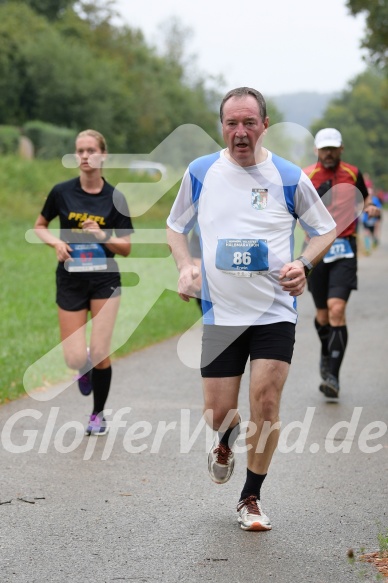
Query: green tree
(51,9)
(362,119)
(55,81)
(17,23)
(73,67)
(376,38)
(94,12)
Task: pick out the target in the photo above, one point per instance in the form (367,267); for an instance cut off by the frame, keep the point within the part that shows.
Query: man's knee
(337,309)
(219,417)
(265,405)
(268,409)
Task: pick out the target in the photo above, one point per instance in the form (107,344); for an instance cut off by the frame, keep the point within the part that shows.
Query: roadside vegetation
(27,295)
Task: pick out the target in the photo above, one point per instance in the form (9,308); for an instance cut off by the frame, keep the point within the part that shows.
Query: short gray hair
(242,92)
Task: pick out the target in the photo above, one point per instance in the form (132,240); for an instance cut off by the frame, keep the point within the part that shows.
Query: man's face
(329,157)
(242,128)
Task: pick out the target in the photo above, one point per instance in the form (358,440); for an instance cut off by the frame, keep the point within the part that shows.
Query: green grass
(363,558)
(383,542)
(150,310)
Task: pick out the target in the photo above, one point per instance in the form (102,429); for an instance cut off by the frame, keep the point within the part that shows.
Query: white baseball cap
(328,138)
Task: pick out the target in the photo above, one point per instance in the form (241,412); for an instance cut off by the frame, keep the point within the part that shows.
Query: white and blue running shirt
(246,218)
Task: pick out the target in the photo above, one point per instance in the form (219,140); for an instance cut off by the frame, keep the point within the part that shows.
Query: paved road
(137,505)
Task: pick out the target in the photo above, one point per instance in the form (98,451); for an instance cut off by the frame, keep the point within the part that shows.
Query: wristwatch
(306,265)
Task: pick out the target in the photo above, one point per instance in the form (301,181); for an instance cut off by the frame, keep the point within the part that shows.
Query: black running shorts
(334,280)
(225,349)
(75,290)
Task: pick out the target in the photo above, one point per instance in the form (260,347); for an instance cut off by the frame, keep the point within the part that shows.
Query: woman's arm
(62,249)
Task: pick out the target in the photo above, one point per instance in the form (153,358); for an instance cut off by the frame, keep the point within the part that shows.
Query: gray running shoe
(220,461)
(330,387)
(324,366)
(251,515)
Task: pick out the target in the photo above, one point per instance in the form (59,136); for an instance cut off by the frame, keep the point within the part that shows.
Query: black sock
(252,485)
(229,437)
(101,378)
(324,334)
(337,345)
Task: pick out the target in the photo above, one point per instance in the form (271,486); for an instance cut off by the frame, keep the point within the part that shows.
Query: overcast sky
(276,46)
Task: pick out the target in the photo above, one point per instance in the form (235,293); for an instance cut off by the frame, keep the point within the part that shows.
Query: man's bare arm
(189,280)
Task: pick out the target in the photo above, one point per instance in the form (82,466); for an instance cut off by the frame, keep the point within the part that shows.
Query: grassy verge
(151,311)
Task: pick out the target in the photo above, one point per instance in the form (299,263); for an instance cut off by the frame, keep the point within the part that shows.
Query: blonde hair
(97,136)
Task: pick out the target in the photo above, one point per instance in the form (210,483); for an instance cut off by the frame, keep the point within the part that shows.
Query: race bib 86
(242,257)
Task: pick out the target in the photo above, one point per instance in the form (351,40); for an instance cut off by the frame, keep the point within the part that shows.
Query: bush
(50,141)
(9,139)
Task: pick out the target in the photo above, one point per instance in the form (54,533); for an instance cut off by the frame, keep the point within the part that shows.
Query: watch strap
(306,264)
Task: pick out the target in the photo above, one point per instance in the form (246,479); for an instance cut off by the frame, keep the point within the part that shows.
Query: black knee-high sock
(324,334)
(252,485)
(101,378)
(337,345)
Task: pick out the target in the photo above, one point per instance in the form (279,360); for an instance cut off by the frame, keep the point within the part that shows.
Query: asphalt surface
(137,505)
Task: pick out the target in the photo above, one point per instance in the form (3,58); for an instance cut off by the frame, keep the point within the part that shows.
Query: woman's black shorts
(75,290)
(225,349)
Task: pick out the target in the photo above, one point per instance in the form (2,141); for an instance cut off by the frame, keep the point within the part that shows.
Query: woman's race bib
(242,257)
(87,257)
(340,249)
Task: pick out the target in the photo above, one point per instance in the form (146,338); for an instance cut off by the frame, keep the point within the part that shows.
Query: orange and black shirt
(343,191)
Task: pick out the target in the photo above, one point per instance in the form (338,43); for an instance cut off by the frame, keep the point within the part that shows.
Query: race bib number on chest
(242,257)
(87,257)
(340,249)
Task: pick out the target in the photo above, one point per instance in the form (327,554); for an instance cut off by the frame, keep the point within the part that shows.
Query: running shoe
(85,380)
(220,461)
(97,425)
(330,387)
(324,364)
(251,515)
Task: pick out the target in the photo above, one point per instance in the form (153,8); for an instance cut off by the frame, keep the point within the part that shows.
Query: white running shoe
(251,516)
(220,461)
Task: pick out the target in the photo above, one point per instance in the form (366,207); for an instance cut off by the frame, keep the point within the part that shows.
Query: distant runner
(343,189)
